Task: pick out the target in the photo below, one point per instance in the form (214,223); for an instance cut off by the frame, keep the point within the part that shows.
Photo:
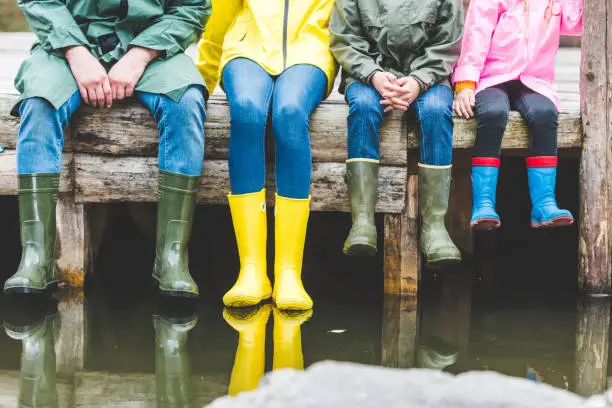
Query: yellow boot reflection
(288,338)
(249,362)
(172,367)
(37,380)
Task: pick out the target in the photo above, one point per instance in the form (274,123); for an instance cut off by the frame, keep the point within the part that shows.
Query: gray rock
(334,384)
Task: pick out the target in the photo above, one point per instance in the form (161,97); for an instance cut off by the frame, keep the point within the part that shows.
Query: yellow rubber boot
(290,233)
(249,363)
(288,339)
(249,217)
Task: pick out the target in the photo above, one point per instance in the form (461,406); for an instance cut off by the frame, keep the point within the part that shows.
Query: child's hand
(464,103)
(386,82)
(403,97)
(90,76)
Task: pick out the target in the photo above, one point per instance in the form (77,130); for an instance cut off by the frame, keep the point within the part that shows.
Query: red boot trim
(486,161)
(542,161)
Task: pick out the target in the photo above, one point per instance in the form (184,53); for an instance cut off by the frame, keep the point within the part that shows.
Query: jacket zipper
(285,18)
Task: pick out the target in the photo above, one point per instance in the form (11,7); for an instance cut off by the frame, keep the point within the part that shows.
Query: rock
(335,384)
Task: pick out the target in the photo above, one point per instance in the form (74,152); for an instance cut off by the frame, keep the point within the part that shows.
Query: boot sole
(18,290)
(486,224)
(245,301)
(557,222)
(292,306)
(178,294)
(443,262)
(174,293)
(360,250)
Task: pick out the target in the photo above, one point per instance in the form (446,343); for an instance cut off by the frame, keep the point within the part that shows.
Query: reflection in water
(249,363)
(172,362)
(35,326)
(145,352)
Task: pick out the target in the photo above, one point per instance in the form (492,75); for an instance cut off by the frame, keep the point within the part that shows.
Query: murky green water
(512,309)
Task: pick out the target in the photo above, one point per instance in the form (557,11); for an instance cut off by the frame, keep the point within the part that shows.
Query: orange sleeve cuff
(460,86)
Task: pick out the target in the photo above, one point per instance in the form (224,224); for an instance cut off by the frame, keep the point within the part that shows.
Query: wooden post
(402,263)
(592,337)
(70,343)
(72,243)
(399,333)
(595,170)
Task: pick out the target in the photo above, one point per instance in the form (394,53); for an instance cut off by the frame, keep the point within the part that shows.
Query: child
(507,62)
(398,54)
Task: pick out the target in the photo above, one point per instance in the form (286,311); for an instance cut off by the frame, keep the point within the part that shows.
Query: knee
(435,107)
(37,109)
(246,108)
(191,106)
(492,115)
(542,114)
(289,114)
(366,105)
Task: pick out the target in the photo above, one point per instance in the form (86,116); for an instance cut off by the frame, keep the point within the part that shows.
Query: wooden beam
(592,338)
(122,178)
(595,170)
(133,131)
(399,332)
(402,262)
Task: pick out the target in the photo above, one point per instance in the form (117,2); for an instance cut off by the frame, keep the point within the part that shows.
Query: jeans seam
(163,124)
(421,129)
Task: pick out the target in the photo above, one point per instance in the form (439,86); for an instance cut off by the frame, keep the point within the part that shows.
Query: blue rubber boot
(542,175)
(485,171)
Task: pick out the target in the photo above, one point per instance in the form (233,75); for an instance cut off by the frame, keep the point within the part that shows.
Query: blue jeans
(432,111)
(181,132)
(288,99)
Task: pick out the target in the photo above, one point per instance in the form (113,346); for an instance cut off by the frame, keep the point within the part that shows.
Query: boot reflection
(436,354)
(172,366)
(288,338)
(37,380)
(249,363)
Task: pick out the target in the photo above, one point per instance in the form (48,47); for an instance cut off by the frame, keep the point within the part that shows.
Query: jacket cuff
(424,77)
(63,37)
(460,86)
(466,73)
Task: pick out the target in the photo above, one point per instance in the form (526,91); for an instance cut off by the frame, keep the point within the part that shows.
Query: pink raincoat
(503,42)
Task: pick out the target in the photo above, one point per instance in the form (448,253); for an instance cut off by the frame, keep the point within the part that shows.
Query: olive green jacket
(419,38)
(109,28)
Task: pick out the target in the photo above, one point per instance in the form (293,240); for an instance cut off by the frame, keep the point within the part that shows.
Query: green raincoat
(420,38)
(109,28)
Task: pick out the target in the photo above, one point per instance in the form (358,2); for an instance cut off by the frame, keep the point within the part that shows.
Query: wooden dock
(110,156)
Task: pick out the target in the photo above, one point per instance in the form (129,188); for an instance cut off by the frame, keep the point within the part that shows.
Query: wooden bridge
(110,156)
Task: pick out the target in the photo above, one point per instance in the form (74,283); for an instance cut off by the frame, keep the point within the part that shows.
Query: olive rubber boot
(37,202)
(172,362)
(175,210)
(434,191)
(37,379)
(362,181)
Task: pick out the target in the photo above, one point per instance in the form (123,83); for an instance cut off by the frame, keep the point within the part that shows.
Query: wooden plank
(72,246)
(592,338)
(125,178)
(133,132)
(8,173)
(399,332)
(594,191)
(402,256)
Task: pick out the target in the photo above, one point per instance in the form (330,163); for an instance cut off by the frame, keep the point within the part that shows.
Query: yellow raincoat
(276,34)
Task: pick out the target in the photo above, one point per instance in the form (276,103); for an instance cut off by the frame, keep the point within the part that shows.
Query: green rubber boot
(434,190)
(172,362)
(175,210)
(362,180)
(37,202)
(37,380)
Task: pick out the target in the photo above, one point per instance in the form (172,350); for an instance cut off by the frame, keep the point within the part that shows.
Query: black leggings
(492,108)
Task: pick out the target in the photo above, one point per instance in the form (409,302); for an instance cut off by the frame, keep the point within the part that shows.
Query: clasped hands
(99,88)
(397,93)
